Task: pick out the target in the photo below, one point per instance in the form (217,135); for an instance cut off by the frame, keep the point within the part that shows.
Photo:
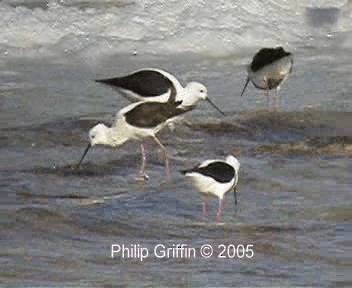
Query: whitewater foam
(167,27)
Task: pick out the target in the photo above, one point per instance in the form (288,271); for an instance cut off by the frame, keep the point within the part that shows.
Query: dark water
(58,224)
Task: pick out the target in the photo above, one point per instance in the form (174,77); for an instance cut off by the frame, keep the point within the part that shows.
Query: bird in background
(152,84)
(215,178)
(269,68)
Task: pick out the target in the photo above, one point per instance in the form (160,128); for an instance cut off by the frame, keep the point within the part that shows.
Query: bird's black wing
(147,115)
(152,114)
(266,56)
(147,83)
(220,171)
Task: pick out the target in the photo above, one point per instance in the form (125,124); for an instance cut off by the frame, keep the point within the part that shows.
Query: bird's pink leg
(266,94)
(167,161)
(142,171)
(167,166)
(278,99)
(204,207)
(142,176)
(221,206)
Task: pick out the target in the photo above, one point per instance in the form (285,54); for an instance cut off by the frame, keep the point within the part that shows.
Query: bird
(136,121)
(215,177)
(153,84)
(269,68)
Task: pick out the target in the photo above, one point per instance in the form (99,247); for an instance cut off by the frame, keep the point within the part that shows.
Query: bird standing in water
(216,178)
(270,67)
(137,121)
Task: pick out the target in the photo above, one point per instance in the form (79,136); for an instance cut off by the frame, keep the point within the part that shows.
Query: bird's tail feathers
(184,172)
(179,102)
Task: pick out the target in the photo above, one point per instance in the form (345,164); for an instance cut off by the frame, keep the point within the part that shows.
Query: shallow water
(294,188)
(58,224)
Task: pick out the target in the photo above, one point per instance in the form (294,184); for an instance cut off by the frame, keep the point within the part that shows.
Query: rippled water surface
(294,188)
(294,202)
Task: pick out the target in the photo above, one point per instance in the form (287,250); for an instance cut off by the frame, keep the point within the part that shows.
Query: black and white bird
(270,67)
(152,84)
(135,122)
(216,178)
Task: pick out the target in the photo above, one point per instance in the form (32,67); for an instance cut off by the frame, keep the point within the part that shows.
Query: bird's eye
(92,136)
(201,91)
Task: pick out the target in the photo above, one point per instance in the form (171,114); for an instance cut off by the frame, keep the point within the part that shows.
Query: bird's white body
(209,186)
(121,131)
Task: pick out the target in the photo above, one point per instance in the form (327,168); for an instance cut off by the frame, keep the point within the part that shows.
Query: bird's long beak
(245,86)
(235,194)
(84,154)
(216,107)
